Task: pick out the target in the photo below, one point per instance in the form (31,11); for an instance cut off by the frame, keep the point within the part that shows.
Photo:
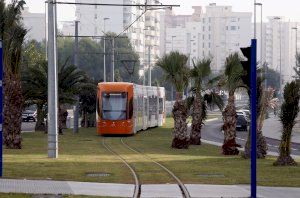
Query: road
(27,127)
(212,132)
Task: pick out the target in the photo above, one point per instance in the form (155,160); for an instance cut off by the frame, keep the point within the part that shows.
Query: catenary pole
(52,84)
(76,107)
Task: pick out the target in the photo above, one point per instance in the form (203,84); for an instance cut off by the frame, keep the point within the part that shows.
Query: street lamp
(279,18)
(295,28)
(104,54)
(261,29)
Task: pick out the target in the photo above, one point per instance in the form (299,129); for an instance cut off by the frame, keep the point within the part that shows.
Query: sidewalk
(126,190)
(273,129)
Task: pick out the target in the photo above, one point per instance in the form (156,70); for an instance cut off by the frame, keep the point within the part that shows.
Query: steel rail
(179,182)
(136,180)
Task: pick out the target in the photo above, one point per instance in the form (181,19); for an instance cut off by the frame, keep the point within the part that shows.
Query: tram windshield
(114,106)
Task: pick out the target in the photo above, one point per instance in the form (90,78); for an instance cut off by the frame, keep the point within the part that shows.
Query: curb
(270,153)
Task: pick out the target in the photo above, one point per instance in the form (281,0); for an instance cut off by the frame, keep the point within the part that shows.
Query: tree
(35,90)
(177,72)
(35,82)
(90,57)
(13,34)
(232,80)
(87,99)
(199,73)
(289,112)
(272,78)
(297,68)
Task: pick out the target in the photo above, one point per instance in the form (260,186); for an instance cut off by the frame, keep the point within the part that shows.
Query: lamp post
(280,77)
(261,30)
(104,54)
(296,35)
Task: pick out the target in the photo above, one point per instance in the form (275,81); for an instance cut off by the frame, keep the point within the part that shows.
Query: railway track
(137,192)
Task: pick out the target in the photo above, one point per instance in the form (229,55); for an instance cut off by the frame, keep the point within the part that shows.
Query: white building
(216,33)
(152,33)
(128,20)
(280,46)
(35,24)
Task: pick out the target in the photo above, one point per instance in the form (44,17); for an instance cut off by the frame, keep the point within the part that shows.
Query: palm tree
(264,101)
(200,72)
(289,111)
(233,74)
(70,82)
(176,71)
(35,86)
(12,33)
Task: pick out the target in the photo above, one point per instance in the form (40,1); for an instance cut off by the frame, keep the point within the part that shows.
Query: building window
(208,45)
(194,43)
(95,6)
(203,28)
(194,36)
(194,50)
(209,36)
(203,20)
(95,16)
(226,27)
(209,19)
(208,28)
(233,28)
(203,45)
(203,36)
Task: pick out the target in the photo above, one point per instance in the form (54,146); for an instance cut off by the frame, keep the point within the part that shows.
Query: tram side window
(114,106)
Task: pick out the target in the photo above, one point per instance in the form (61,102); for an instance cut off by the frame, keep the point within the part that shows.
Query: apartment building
(215,33)
(35,24)
(143,30)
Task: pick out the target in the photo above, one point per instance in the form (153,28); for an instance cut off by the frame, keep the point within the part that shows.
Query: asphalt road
(212,131)
(27,127)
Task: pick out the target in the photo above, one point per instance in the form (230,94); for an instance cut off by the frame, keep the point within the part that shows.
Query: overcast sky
(287,8)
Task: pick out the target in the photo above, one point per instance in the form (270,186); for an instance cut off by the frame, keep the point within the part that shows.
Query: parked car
(242,123)
(29,115)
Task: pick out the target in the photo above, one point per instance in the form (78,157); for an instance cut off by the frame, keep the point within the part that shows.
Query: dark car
(241,123)
(28,116)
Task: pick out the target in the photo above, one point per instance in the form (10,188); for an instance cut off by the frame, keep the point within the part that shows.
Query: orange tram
(125,108)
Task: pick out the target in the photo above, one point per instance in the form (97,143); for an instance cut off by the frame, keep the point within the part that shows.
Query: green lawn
(83,153)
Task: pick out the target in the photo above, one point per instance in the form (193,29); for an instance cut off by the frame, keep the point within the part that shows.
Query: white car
(241,112)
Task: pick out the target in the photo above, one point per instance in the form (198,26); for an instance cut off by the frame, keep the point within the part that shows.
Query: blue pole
(253,118)
(1,109)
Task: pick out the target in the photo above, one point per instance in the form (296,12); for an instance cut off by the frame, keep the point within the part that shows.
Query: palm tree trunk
(285,158)
(196,121)
(229,127)
(60,120)
(85,118)
(40,126)
(181,137)
(261,145)
(13,106)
